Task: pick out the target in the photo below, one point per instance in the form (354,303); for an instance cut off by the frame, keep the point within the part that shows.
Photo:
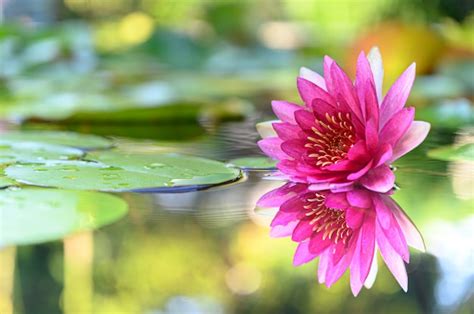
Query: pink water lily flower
(346,132)
(345,230)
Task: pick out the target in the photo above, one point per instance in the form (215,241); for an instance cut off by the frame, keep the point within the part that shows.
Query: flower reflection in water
(345,230)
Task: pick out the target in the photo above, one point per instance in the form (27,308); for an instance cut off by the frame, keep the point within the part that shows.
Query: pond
(208,250)
(130,171)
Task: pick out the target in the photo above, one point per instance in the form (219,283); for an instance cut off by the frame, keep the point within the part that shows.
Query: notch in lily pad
(31,216)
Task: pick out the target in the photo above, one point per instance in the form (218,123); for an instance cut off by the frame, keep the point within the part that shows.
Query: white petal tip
(265,129)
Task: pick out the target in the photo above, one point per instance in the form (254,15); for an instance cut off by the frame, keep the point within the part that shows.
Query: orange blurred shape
(400,45)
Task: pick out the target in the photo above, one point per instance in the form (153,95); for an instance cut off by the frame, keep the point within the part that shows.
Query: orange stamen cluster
(331,145)
(328,220)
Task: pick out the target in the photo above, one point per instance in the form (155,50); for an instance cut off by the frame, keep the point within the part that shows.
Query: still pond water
(209,251)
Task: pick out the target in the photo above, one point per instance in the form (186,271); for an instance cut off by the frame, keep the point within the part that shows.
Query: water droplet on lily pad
(117,172)
(36,152)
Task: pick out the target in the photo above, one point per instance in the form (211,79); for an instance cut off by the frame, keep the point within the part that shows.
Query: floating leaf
(178,169)
(82,141)
(35,152)
(5,181)
(453,152)
(38,215)
(81,175)
(118,172)
(254,163)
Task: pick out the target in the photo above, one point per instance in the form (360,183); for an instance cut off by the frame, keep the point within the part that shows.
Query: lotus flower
(346,132)
(345,230)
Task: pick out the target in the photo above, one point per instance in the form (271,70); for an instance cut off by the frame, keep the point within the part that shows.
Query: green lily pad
(178,169)
(32,216)
(35,152)
(5,181)
(116,172)
(257,163)
(453,153)
(80,175)
(82,141)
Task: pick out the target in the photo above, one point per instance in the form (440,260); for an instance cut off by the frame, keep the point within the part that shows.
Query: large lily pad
(5,181)
(178,169)
(31,215)
(115,173)
(35,152)
(82,141)
(453,152)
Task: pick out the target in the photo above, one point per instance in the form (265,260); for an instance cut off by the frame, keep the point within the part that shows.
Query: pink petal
(356,175)
(335,271)
(286,131)
(285,110)
(293,204)
(367,247)
(371,103)
(321,107)
(359,152)
(271,146)
(294,148)
(317,245)
(309,91)
(371,134)
(278,196)
(327,73)
(313,77)
(415,135)
(364,79)
(397,126)
(302,254)
(391,229)
(369,282)
(376,65)
(343,165)
(323,266)
(355,281)
(304,119)
(283,218)
(383,155)
(360,198)
(336,200)
(281,231)
(302,231)
(354,217)
(384,214)
(397,95)
(392,259)
(380,179)
(338,251)
(412,235)
(345,89)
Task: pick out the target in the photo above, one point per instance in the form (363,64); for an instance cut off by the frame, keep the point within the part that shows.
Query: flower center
(330,221)
(332,140)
